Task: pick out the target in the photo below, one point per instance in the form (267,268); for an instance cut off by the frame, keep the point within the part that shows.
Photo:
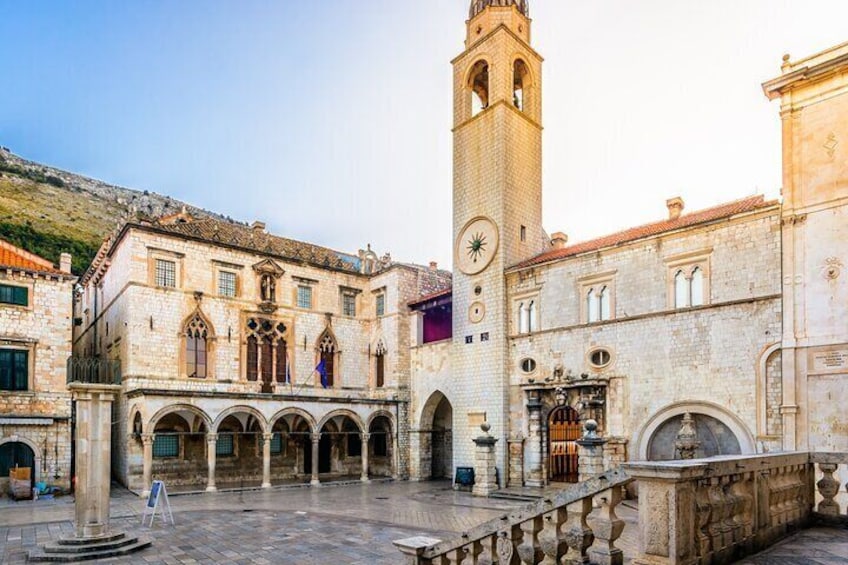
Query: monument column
(211,445)
(93,457)
(266,460)
(147,463)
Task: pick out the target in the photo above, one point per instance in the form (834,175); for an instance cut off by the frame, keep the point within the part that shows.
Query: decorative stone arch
(241,409)
(136,411)
(197,321)
(733,423)
(36,453)
(379,363)
(434,445)
(342,412)
(207,421)
(428,410)
(291,410)
(381,413)
(520,68)
(762,386)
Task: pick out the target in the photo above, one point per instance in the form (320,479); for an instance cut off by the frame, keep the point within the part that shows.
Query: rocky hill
(49,211)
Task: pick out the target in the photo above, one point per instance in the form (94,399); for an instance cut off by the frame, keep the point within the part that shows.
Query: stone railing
(554,530)
(94,370)
(721,509)
(832,498)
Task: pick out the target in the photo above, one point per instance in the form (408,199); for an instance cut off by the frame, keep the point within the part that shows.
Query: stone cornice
(775,88)
(134,393)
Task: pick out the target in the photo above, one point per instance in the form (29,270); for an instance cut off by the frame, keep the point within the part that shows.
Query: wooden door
(563,432)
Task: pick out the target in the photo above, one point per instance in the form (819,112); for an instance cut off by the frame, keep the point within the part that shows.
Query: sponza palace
(729,321)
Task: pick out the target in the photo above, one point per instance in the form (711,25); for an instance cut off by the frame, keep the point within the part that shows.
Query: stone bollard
(590,452)
(485,472)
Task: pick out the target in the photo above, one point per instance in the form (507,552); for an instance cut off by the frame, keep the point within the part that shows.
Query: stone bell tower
(497,208)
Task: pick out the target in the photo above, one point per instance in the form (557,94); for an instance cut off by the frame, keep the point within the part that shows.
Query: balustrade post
(578,534)
(552,539)
(607,529)
(414,548)
(508,538)
(529,550)
(828,488)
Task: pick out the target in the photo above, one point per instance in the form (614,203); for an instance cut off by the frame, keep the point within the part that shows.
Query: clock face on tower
(476,245)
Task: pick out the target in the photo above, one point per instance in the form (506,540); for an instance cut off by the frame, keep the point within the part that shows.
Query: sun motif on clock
(476,245)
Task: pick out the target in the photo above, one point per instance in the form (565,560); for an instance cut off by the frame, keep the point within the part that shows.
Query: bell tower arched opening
(478,85)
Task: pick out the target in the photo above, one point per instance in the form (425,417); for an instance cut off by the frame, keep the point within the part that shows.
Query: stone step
(41,555)
(89,541)
(521,497)
(60,547)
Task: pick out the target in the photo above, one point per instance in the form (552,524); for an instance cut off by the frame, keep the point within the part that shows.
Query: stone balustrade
(554,530)
(721,509)
(832,498)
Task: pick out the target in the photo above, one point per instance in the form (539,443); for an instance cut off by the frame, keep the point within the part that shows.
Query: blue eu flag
(322,370)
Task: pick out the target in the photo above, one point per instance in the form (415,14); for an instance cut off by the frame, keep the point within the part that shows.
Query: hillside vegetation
(48,211)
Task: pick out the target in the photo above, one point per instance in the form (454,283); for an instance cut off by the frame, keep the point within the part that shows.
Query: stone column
(266,460)
(590,452)
(316,438)
(516,461)
(211,444)
(667,511)
(147,464)
(535,470)
(364,438)
(93,456)
(485,471)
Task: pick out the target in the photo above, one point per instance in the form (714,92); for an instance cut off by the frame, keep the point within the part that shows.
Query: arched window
(522,318)
(479,86)
(604,300)
(267,352)
(195,348)
(380,364)
(520,81)
(282,372)
(327,352)
(531,316)
(592,309)
(697,288)
(681,290)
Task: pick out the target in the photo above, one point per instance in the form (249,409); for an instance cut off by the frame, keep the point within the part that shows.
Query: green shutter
(18,295)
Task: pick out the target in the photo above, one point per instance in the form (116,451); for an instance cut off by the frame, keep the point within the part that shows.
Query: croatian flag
(322,370)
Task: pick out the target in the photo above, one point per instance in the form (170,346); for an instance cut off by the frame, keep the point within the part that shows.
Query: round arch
(381,414)
(136,412)
(241,409)
(733,422)
(207,421)
(310,420)
(36,453)
(341,412)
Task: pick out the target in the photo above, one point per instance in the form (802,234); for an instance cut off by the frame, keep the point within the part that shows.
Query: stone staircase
(73,549)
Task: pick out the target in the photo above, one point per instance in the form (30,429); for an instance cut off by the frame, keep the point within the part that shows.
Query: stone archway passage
(442,441)
(563,432)
(17,454)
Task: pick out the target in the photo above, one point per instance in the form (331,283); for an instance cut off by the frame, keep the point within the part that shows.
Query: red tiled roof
(647,230)
(433,296)
(17,258)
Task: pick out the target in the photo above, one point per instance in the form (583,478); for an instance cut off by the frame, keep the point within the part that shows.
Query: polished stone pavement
(816,546)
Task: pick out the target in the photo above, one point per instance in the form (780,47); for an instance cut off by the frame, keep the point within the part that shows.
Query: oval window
(600,358)
(528,365)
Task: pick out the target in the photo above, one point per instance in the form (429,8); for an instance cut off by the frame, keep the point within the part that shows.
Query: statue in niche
(269,288)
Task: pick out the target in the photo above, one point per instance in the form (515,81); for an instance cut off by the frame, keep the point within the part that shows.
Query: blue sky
(330,119)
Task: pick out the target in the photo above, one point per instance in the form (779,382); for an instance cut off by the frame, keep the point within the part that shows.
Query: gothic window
(681,290)
(592,304)
(380,364)
(531,316)
(696,287)
(196,351)
(479,86)
(267,354)
(598,293)
(327,353)
(520,81)
(688,279)
(166,273)
(523,318)
(604,306)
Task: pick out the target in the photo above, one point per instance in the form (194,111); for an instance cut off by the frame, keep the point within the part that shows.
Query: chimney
(65,263)
(434,266)
(258,226)
(675,207)
(558,240)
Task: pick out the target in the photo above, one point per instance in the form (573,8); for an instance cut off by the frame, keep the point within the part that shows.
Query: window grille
(166,445)
(276,444)
(381,305)
(304,297)
(17,295)
(166,273)
(349,304)
(225,444)
(227,284)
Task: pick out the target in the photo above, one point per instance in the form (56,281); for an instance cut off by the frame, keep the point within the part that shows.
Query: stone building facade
(731,315)
(35,344)
(218,329)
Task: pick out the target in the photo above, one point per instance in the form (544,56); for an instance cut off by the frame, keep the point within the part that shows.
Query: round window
(528,365)
(600,358)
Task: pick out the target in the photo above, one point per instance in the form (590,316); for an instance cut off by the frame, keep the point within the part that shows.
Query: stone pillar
(535,470)
(316,438)
(266,460)
(147,463)
(516,461)
(93,457)
(667,507)
(590,452)
(211,444)
(485,470)
(364,438)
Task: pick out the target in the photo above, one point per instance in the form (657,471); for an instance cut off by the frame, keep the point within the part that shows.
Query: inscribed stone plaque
(829,360)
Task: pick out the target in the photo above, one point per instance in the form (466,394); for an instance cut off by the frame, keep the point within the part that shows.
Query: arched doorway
(563,432)
(17,454)
(714,436)
(442,441)
(380,447)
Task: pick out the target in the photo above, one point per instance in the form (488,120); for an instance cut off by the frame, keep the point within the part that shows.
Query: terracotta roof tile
(15,257)
(647,230)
